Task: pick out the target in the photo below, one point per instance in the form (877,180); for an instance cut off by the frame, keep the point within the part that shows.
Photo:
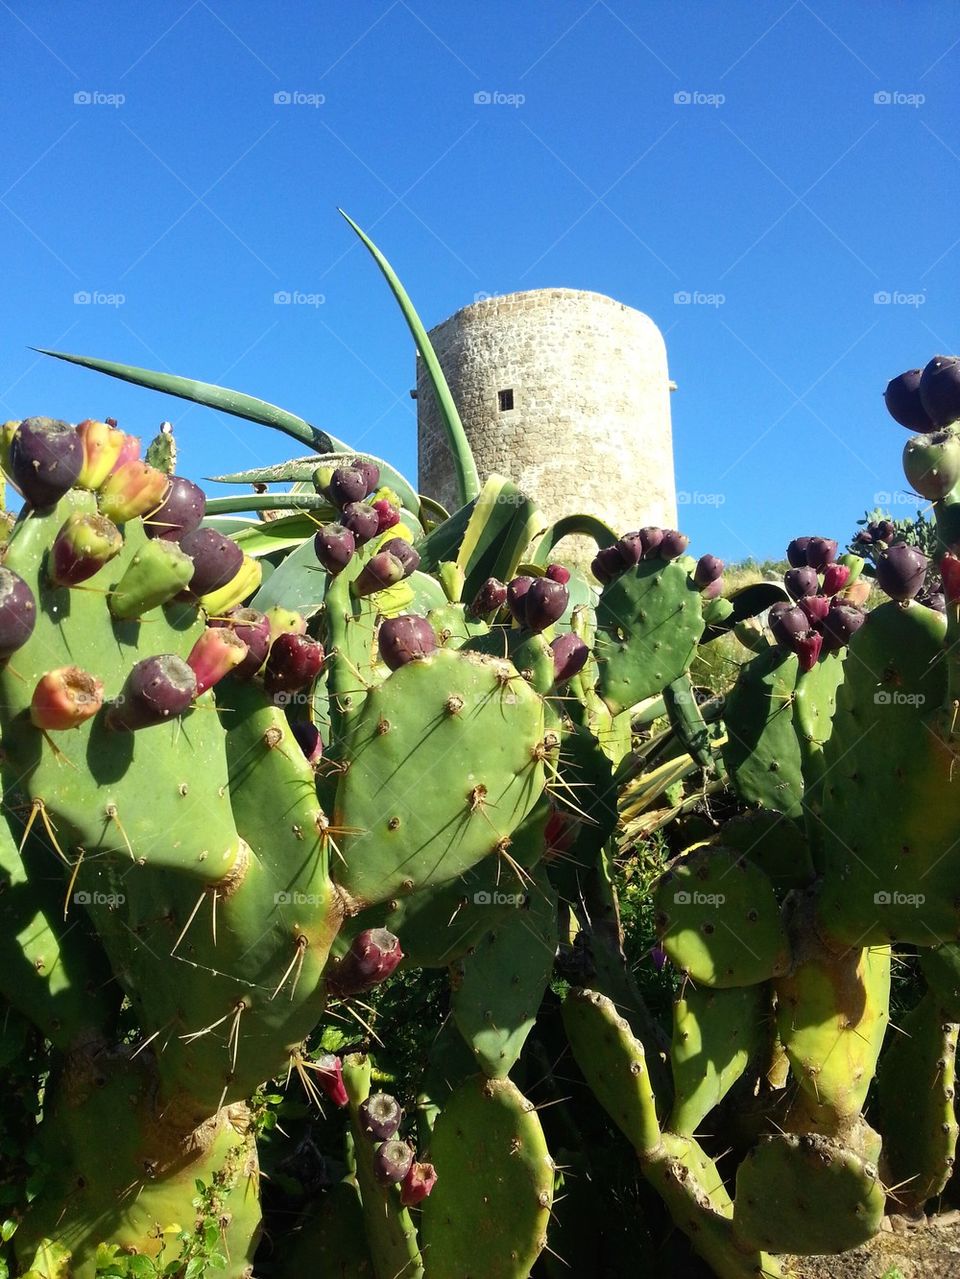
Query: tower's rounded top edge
(535,299)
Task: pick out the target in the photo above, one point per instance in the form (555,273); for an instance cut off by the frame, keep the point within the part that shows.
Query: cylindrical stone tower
(566,393)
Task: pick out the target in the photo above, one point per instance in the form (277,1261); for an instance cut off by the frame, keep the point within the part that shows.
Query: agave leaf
(300,470)
(271,502)
(748,601)
(262,537)
(587,525)
(468,481)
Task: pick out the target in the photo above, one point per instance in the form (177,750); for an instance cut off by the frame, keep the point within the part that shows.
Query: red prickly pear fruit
(307,737)
(84,544)
(940,390)
(46,457)
(253,629)
(391,1162)
(334,546)
(672,545)
(380,1116)
(713,590)
(405,553)
(372,957)
(131,490)
(65,698)
(650,538)
(417,1184)
(370,472)
(157,689)
(380,572)
(786,621)
(387,515)
(708,570)
(517,591)
(902,398)
(835,578)
(490,598)
(630,547)
(347,485)
(545,603)
(800,582)
(570,655)
(816,607)
(406,639)
(950,574)
(18,612)
(216,653)
(797,552)
(362,521)
(840,625)
(216,559)
(180,512)
(102,445)
(557,573)
(328,1072)
(285,620)
(294,662)
(129,450)
(821,551)
(807,648)
(901,570)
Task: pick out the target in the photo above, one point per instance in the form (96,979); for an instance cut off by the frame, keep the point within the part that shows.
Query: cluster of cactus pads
(254,772)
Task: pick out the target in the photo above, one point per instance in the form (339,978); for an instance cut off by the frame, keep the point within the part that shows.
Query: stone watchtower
(566,393)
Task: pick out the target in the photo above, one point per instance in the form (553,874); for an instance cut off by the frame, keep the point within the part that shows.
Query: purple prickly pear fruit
(387,515)
(544,603)
(18,612)
(307,737)
(490,598)
(391,1162)
(630,547)
(821,551)
(216,653)
(672,545)
(713,590)
(370,472)
(157,689)
(406,639)
(797,552)
(931,463)
(65,698)
(347,485)
(334,546)
(816,607)
(328,1073)
(609,563)
(294,662)
(101,446)
(417,1184)
(362,521)
(380,572)
(835,578)
(131,490)
(807,648)
(901,570)
(216,559)
(786,621)
(84,544)
(253,629)
(650,537)
(372,957)
(902,398)
(180,512)
(708,569)
(380,1116)
(129,450)
(557,573)
(800,582)
(883,531)
(46,456)
(940,390)
(405,553)
(517,590)
(840,625)
(570,654)
(285,620)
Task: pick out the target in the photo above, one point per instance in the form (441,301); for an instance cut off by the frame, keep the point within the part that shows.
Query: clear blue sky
(796,198)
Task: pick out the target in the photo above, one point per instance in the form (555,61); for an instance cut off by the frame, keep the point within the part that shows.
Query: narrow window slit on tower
(505,400)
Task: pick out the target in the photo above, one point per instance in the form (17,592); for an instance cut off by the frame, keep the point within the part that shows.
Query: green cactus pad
(530,654)
(487,1216)
(497,988)
(331,1242)
(916,1090)
(718,919)
(775,843)
(613,1063)
(941,967)
(715,1033)
(453,627)
(648,623)
(806,1195)
(446,760)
